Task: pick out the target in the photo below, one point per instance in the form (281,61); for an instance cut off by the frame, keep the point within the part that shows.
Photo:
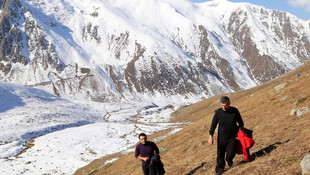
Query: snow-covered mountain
(45,134)
(109,50)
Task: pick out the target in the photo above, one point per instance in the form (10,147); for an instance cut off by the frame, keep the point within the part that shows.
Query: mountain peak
(135,48)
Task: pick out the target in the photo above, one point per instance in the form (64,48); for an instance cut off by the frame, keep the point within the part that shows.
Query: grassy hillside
(281,139)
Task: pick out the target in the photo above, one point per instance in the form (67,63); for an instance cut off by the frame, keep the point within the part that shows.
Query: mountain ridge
(189,51)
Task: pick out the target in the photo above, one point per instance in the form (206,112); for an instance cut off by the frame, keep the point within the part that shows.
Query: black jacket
(227,121)
(157,164)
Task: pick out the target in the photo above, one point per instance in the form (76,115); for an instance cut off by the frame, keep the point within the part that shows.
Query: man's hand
(146,158)
(210,141)
(143,158)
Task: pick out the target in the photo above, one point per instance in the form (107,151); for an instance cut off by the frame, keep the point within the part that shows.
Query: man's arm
(137,152)
(213,126)
(239,119)
(156,149)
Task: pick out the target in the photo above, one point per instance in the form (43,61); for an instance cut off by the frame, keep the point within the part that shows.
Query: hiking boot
(219,171)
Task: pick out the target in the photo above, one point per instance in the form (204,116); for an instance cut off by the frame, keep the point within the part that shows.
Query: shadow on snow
(9,100)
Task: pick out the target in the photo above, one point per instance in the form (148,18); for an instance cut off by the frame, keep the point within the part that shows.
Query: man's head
(143,138)
(225,102)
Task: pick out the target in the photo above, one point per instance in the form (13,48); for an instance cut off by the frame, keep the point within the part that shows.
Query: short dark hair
(142,134)
(224,99)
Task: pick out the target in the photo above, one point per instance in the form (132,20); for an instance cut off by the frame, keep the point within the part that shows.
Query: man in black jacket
(227,117)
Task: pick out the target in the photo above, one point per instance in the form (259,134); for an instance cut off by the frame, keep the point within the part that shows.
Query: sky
(300,8)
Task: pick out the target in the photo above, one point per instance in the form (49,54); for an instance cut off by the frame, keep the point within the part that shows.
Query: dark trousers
(147,170)
(227,146)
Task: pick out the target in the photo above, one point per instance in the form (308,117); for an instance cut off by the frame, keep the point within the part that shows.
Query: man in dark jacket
(145,151)
(227,117)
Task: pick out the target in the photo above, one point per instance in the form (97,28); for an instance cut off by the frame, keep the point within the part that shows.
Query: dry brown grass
(281,140)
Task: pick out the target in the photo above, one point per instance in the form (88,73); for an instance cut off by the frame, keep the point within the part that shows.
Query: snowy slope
(42,133)
(35,112)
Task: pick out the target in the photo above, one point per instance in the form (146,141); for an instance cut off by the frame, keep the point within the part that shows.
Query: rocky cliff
(109,51)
